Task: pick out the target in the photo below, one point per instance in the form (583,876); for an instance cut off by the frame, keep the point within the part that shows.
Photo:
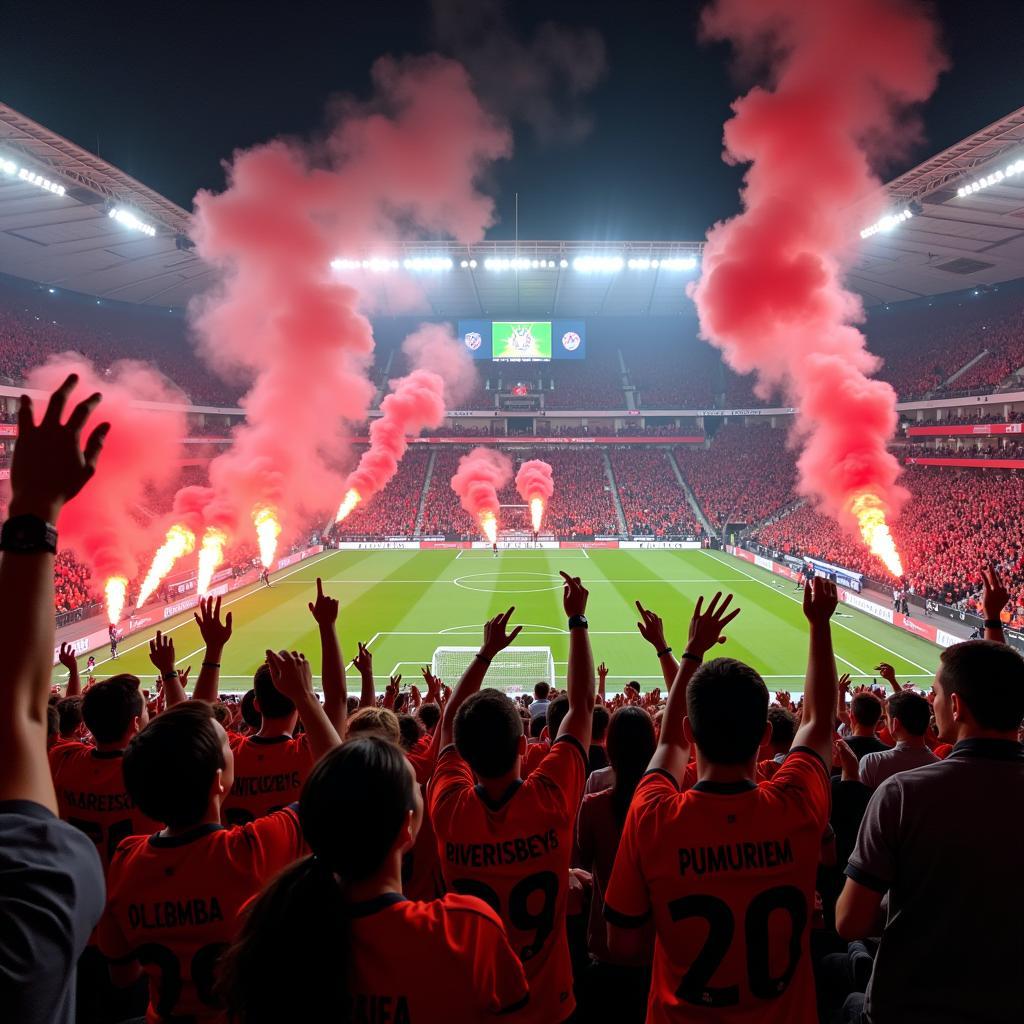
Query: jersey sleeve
(563,774)
(271,842)
(627,902)
(452,777)
(804,778)
(874,862)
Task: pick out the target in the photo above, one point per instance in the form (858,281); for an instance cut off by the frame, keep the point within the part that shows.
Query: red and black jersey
(727,871)
(91,795)
(515,855)
(173,904)
(269,774)
(432,963)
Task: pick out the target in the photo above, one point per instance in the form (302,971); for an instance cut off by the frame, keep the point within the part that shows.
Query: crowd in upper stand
(650,495)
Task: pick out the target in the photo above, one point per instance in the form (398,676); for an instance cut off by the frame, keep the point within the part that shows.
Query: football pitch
(405,604)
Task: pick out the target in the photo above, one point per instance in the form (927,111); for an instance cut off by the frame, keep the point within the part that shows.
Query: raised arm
(673,752)
(48,469)
(817,724)
(294,678)
(579,719)
(652,629)
(994,601)
(325,611)
(496,639)
(215,635)
(363,664)
(73,687)
(161,654)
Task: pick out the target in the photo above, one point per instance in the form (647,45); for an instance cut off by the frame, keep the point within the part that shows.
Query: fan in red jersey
(727,868)
(334,938)
(505,840)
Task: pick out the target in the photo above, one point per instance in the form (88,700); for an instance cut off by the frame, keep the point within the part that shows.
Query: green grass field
(407,603)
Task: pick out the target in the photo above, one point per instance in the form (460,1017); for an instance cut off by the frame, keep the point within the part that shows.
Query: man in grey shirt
(540,703)
(945,843)
(908,715)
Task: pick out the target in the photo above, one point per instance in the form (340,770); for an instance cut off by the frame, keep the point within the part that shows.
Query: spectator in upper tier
(908,716)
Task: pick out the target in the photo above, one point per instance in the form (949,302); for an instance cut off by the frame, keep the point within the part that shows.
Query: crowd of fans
(652,501)
(447,853)
(392,512)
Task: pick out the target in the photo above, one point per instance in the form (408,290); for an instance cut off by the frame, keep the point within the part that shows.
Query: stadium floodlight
(886,223)
(472,264)
(1011,170)
(598,264)
(14,170)
(127,219)
(427,264)
(679,263)
(563,263)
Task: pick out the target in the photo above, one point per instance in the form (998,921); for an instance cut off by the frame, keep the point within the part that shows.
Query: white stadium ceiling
(70,220)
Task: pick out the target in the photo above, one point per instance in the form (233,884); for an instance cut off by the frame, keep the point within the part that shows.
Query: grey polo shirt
(946,842)
(876,768)
(51,896)
(538,707)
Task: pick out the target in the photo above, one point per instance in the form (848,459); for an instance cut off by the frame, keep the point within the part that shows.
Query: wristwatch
(578,622)
(28,535)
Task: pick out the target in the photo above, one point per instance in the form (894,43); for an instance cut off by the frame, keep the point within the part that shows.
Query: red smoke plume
(843,75)
(104,528)
(443,373)
(481,474)
(403,164)
(534,480)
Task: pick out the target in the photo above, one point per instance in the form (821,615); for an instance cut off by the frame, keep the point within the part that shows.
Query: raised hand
(847,761)
(363,661)
(651,627)
(67,657)
(995,596)
(820,600)
(886,671)
(325,609)
(291,674)
(433,684)
(215,633)
(161,654)
(49,466)
(706,626)
(574,595)
(414,697)
(496,635)
(602,670)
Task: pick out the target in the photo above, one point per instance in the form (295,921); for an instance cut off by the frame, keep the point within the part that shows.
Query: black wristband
(168,676)
(661,654)
(28,535)
(211,664)
(993,624)
(483,658)
(687,656)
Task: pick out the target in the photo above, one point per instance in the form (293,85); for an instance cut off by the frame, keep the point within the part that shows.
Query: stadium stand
(392,512)
(652,500)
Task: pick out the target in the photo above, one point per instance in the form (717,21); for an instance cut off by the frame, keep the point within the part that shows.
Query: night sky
(166,91)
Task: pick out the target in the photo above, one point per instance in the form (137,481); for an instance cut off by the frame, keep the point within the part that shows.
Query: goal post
(516,668)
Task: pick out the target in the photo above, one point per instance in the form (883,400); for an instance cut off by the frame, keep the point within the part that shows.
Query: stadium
(331,393)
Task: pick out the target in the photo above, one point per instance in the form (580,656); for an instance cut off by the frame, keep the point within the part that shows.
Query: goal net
(515,668)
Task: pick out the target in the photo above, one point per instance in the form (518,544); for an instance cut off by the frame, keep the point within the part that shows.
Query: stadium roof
(72,240)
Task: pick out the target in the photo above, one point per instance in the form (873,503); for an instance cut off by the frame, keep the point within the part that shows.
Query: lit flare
(179,541)
(211,554)
(536,513)
(870,517)
(352,498)
(489,525)
(268,529)
(116,590)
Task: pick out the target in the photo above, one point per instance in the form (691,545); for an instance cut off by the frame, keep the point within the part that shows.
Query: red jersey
(173,903)
(515,855)
(269,775)
(728,872)
(91,795)
(535,753)
(454,962)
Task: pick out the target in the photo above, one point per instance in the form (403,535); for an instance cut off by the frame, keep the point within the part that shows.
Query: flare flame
(211,554)
(489,525)
(870,517)
(352,498)
(268,529)
(536,513)
(116,590)
(180,541)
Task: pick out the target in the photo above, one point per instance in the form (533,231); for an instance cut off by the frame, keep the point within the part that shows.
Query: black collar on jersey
(496,805)
(199,832)
(376,905)
(992,750)
(108,754)
(283,738)
(725,788)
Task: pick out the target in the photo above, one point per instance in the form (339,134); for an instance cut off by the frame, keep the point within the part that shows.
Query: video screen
(521,341)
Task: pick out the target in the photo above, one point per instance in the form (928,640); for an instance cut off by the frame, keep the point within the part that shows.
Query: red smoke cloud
(533,480)
(405,163)
(142,451)
(443,373)
(481,474)
(843,75)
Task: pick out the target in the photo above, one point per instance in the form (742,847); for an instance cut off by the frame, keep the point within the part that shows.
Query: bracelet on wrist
(667,650)
(483,658)
(168,676)
(688,656)
(993,624)
(211,664)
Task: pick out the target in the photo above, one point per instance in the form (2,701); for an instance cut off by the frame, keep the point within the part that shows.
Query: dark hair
(352,705)
(110,706)
(222,713)
(273,703)
(250,715)
(170,765)
(298,927)
(411,731)
(69,713)
(487,732)
(912,710)
(599,723)
(631,746)
(727,704)
(537,725)
(633,685)
(989,679)
(866,708)
(783,723)
(52,721)
(429,715)
(557,710)
(541,691)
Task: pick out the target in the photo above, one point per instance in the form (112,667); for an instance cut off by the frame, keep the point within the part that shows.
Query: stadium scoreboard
(524,341)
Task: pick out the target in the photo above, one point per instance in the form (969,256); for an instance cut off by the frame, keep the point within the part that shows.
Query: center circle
(538,581)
